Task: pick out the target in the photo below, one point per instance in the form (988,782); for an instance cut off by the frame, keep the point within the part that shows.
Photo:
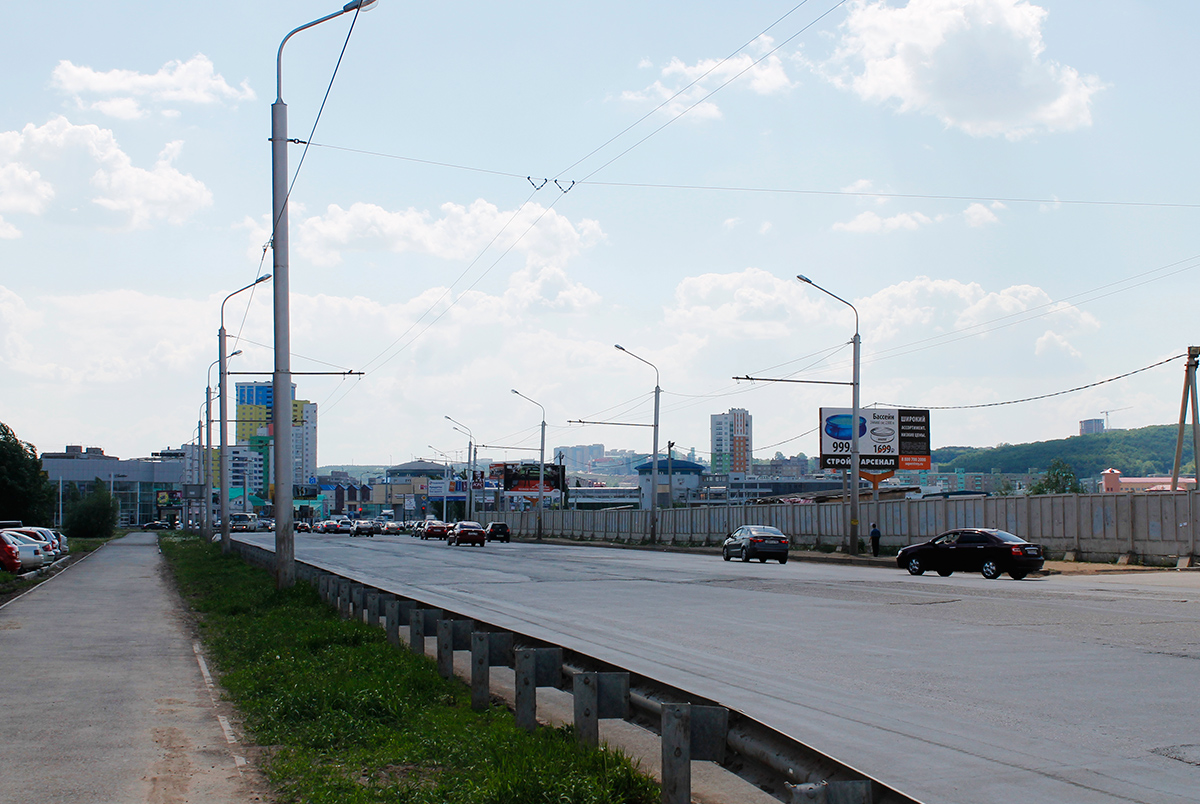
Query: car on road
(302,527)
(157,525)
(497,532)
(393,527)
(345,526)
(988,551)
(467,533)
(435,529)
(243,522)
(756,541)
(365,527)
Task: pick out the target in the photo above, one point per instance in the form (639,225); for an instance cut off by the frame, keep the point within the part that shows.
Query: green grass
(350,718)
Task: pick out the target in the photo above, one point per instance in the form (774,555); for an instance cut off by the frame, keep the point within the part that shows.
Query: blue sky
(921,159)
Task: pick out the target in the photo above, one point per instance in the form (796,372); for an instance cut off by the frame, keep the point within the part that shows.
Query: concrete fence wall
(1156,527)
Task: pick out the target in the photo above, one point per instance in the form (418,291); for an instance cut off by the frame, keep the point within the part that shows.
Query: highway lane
(957,690)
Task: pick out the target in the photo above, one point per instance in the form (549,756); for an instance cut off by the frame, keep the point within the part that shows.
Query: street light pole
(855,464)
(223,410)
(281,410)
(541,464)
(206,530)
(654,464)
(470,464)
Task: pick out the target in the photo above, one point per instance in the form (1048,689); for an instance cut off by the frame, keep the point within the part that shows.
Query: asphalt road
(954,690)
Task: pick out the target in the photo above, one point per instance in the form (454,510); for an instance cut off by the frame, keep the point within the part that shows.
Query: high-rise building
(580,458)
(255,409)
(1090,426)
(732,441)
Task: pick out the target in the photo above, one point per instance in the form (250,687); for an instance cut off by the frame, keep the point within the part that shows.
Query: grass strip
(350,718)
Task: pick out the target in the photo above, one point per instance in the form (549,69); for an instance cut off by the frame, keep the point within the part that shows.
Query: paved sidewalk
(104,695)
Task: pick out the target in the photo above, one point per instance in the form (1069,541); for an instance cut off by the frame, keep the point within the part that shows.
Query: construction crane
(1113,410)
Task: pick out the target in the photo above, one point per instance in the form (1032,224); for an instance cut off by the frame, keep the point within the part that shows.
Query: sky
(497,193)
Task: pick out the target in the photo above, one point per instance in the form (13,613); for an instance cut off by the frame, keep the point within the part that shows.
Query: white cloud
(192,81)
(685,85)
(864,188)
(730,223)
(976,65)
(751,304)
(979,215)
(160,193)
(765,227)
(1053,343)
(459,233)
(871,223)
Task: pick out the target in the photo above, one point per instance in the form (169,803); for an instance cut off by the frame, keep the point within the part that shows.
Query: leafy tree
(25,491)
(1059,479)
(94,516)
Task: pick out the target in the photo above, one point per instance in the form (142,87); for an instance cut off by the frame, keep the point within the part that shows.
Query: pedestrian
(875,535)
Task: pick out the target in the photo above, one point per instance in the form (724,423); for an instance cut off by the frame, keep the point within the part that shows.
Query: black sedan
(986,550)
(756,541)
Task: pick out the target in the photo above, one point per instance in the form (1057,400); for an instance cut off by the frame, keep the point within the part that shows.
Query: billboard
(888,439)
(169,499)
(523,477)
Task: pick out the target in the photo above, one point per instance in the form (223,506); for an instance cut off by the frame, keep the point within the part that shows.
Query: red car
(467,533)
(435,530)
(10,556)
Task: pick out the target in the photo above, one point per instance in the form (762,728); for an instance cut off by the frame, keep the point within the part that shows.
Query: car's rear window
(1008,538)
(766,530)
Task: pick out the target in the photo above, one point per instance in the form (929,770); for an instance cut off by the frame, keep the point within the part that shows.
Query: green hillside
(1147,451)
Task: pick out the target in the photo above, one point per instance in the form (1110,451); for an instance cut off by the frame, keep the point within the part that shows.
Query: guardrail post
(526,689)
(676,754)
(391,617)
(344,598)
(372,606)
(481,694)
(445,648)
(586,693)
(357,591)
(416,631)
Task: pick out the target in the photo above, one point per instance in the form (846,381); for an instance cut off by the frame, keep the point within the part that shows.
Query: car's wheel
(745,555)
(725,553)
(1016,576)
(945,573)
(991,570)
(762,559)
(914,567)
(783,560)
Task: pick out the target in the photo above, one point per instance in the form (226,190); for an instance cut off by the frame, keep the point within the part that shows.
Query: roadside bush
(93,517)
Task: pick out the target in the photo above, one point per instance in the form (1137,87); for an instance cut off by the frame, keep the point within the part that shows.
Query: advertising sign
(169,499)
(523,477)
(888,439)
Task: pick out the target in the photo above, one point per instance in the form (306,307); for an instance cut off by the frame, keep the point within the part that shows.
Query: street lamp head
(804,279)
(234,354)
(361,5)
(618,346)
(515,391)
(262,278)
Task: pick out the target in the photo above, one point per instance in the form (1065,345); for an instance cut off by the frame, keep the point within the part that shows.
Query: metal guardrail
(690,727)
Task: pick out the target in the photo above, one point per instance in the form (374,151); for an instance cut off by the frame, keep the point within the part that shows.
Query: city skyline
(1004,198)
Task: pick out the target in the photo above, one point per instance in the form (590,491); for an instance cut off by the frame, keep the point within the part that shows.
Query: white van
(241,523)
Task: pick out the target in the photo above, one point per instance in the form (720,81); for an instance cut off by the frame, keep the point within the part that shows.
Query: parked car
(435,529)
(57,539)
(10,554)
(50,548)
(756,541)
(29,550)
(157,525)
(985,550)
(418,528)
(497,532)
(467,533)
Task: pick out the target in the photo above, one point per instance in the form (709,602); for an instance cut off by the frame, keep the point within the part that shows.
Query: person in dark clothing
(875,536)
